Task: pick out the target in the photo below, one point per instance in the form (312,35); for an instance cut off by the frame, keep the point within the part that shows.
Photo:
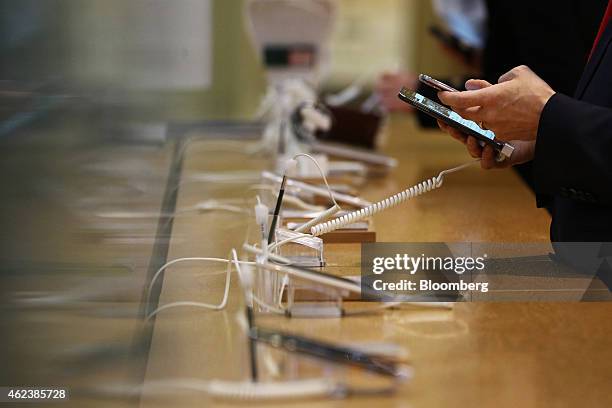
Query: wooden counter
(477,355)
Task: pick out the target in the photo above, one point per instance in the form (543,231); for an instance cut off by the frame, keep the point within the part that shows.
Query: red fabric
(602,27)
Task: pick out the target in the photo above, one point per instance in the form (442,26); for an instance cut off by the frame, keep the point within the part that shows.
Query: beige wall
(99,34)
(237,78)
(370,36)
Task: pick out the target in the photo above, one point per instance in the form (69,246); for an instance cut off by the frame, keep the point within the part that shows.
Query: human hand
(523,150)
(388,85)
(511,109)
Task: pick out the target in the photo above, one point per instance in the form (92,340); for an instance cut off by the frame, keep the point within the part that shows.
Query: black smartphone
(384,365)
(455,120)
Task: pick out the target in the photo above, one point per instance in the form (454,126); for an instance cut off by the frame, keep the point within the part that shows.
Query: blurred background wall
(370,37)
(191,59)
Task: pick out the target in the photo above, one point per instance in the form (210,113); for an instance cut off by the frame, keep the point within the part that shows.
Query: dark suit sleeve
(573,156)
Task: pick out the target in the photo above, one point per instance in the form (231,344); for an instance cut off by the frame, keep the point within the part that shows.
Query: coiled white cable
(414,191)
(323,216)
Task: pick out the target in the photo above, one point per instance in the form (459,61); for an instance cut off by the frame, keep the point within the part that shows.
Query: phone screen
(449,117)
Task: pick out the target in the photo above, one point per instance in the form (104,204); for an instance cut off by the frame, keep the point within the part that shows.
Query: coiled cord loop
(414,191)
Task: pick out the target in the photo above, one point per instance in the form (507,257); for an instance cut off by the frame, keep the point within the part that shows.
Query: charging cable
(291,164)
(221,305)
(236,390)
(299,236)
(293,200)
(202,206)
(233,260)
(319,191)
(261,212)
(325,215)
(412,192)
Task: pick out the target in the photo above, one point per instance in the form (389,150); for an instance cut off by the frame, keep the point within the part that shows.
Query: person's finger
(466,99)
(513,73)
(454,133)
(488,159)
(457,135)
(473,147)
(474,113)
(476,84)
(508,76)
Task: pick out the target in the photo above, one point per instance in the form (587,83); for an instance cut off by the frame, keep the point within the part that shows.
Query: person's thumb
(476,84)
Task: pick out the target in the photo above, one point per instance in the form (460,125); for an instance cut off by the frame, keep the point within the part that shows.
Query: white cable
(175,261)
(320,191)
(335,208)
(284,284)
(329,190)
(412,192)
(246,281)
(296,201)
(288,199)
(275,245)
(211,205)
(208,205)
(219,306)
(324,216)
(227,177)
(202,305)
(268,307)
(235,390)
(253,249)
(283,390)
